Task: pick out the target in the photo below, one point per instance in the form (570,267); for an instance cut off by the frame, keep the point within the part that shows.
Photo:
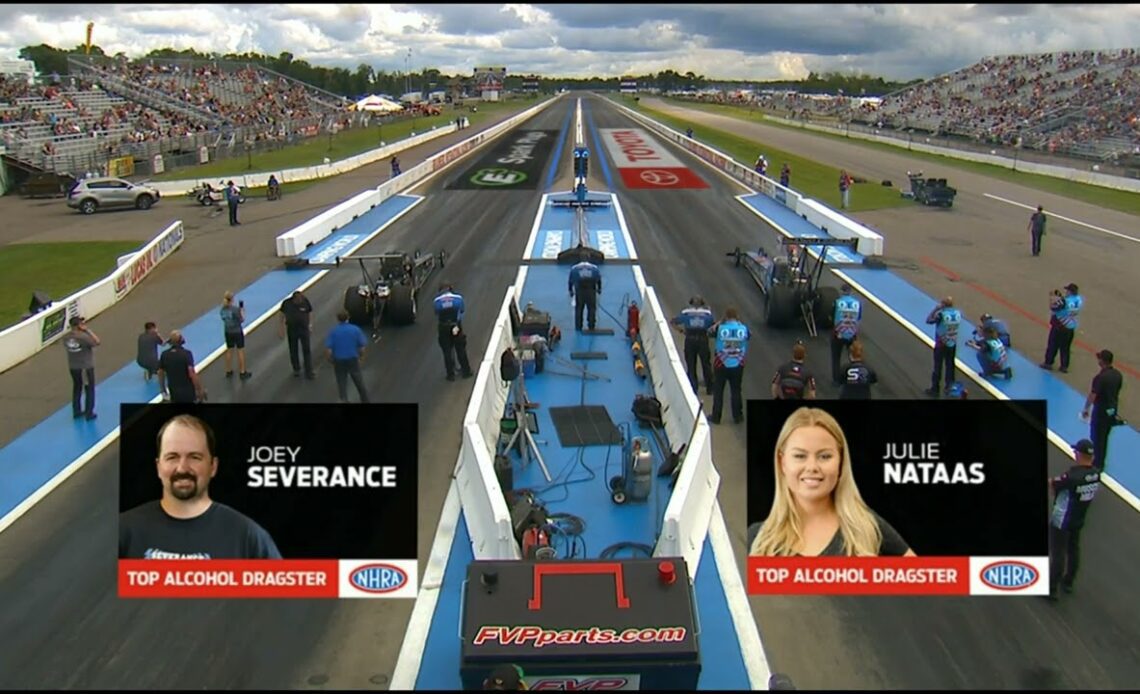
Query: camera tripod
(519,402)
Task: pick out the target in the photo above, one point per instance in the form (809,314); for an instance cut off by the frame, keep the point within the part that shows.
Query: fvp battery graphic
(622,624)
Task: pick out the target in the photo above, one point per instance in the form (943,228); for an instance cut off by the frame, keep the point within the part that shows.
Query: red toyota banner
(219,578)
(859,575)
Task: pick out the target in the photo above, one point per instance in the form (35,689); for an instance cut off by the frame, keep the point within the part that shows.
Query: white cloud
(742,42)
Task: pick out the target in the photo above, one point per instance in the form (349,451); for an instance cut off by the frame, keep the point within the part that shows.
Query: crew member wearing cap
(1073,491)
(177,378)
(449,308)
(505,678)
(792,380)
(847,313)
(1102,406)
(695,322)
(945,319)
(1063,324)
(999,326)
(80,344)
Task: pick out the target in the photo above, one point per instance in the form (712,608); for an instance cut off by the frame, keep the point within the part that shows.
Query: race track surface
(67,629)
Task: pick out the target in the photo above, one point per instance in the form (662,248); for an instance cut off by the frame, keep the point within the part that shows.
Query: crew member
(345,347)
(1036,230)
(177,379)
(149,341)
(786,175)
(792,380)
(80,343)
(847,314)
(988,321)
(945,319)
(858,377)
(695,322)
(728,365)
(992,355)
(395,164)
(1066,310)
(762,165)
(585,284)
(297,326)
(233,199)
(1102,406)
(449,309)
(1073,491)
(273,188)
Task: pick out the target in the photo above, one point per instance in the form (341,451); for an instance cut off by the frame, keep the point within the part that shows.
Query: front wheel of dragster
(357,307)
(402,305)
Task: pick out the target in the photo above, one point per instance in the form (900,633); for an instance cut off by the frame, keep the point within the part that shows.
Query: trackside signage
(583,683)
(646,164)
(147,259)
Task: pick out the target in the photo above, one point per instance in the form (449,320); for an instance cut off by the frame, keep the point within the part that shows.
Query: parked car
(93,194)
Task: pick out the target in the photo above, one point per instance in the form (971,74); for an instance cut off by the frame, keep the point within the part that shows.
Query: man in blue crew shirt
(1063,324)
(695,322)
(993,358)
(946,320)
(345,347)
(186,523)
(449,308)
(847,316)
(728,364)
(585,285)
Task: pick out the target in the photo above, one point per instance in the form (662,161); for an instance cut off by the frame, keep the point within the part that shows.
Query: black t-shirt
(857,381)
(148,348)
(176,363)
(1075,490)
(1107,385)
(297,314)
(893,545)
(793,380)
(148,532)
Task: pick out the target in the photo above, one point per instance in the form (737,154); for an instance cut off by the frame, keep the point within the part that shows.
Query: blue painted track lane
(1029,382)
(360,228)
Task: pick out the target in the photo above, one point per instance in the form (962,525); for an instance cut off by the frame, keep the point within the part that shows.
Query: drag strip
(972,643)
(69,630)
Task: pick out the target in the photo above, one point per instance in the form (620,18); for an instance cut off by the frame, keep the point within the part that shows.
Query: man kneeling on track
(992,354)
(988,321)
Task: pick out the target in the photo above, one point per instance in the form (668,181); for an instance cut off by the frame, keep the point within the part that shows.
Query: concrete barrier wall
(1064,172)
(30,336)
(296,240)
(838,226)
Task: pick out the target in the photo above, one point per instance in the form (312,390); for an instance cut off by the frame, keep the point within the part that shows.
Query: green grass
(59,269)
(343,145)
(812,179)
(1120,200)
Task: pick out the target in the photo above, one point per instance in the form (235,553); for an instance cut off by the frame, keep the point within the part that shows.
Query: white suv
(92,194)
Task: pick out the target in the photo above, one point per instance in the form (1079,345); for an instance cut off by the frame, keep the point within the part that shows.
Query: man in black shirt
(1103,402)
(185,523)
(1073,491)
(297,326)
(792,380)
(177,377)
(857,376)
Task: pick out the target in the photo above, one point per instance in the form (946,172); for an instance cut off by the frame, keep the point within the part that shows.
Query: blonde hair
(228,298)
(782,531)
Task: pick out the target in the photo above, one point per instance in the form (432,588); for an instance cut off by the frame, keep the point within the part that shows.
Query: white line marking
(1065,447)
(534,227)
(1067,219)
(93,452)
(747,632)
(408,663)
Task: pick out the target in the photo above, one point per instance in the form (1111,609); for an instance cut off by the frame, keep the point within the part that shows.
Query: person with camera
(945,319)
(80,343)
(999,326)
(1063,323)
(992,355)
(233,318)
(1102,406)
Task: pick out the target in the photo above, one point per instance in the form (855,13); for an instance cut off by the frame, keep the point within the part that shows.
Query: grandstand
(1082,104)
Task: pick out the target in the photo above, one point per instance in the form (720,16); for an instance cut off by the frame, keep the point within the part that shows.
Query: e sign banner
(515,163)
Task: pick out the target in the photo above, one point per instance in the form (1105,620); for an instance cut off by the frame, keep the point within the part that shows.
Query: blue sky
(739,42)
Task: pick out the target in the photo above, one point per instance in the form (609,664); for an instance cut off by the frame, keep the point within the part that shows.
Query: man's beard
(184,492)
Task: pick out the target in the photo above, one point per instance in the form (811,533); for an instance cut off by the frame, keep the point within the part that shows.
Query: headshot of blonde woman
(817,510)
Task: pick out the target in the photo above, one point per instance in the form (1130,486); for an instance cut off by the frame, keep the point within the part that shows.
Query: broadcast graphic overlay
(268,501)
(925,497)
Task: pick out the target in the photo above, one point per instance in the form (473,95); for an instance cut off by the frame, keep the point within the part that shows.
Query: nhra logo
(378,578)
(498,177)
(1009,575)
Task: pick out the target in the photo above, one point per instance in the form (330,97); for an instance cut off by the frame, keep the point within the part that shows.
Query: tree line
(368,80)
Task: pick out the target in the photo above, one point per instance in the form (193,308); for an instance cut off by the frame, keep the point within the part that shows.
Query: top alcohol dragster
(789,285)
(388,293)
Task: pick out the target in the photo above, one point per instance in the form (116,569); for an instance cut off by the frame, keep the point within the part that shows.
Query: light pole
(407,74)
